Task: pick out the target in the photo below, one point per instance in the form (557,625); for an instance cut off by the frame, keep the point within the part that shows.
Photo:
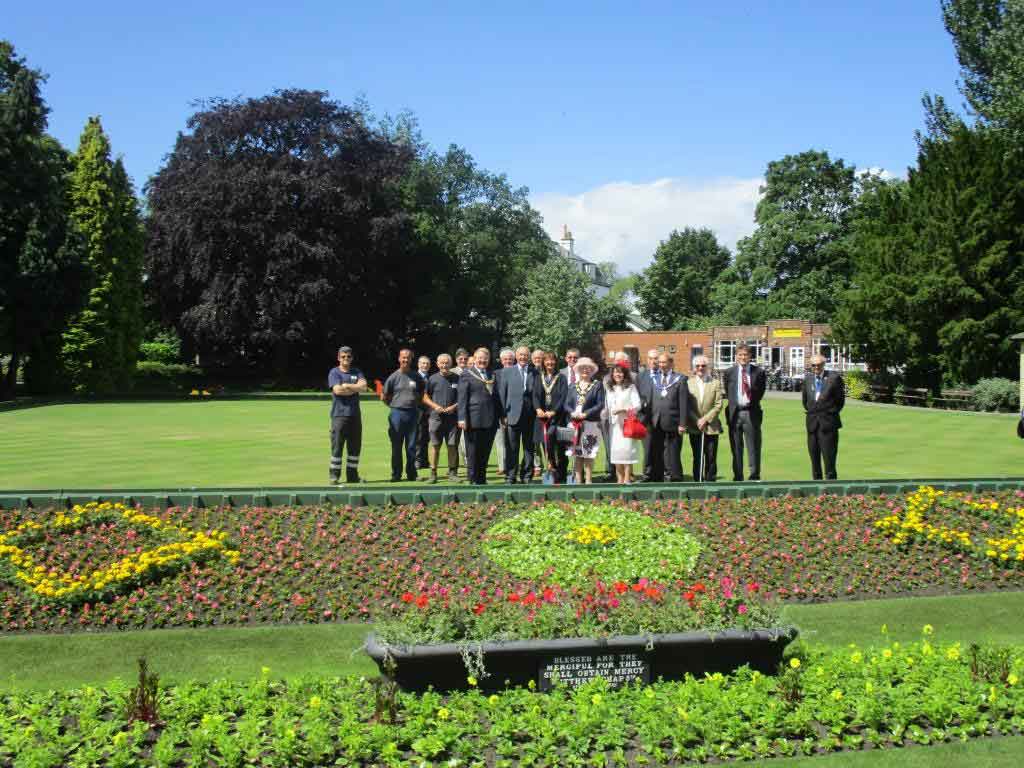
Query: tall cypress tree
(101,342)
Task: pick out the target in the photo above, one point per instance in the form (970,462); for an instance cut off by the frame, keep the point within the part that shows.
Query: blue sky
(624,119)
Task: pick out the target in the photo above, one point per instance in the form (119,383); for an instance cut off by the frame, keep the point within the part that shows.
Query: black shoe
(453,477)
(396,478)
(352,477)
(433,477)
(333,480)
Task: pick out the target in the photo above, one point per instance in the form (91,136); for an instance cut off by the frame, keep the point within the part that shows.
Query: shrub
(154,376)
(165,347)
(858,385)
(995,395)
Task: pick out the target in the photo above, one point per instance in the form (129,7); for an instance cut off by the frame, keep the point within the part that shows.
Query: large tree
(673,292)
(557,309)
(989,39)
(101,343)
(939,280)
(278,231)
(40,264)
(795,264)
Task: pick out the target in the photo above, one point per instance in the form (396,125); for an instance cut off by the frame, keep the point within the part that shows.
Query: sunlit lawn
(285,443)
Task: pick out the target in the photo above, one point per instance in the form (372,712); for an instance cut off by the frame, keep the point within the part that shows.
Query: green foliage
(938,285)
(675,289)
(143,701)
(40,254)
(995,395)
(796,262)
(989,39)
(885,696)
(858,385)
(100,344)
(576,545)
(164,347)
(556,309)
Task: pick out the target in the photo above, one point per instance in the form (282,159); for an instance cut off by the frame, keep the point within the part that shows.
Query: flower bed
(850,699)
(322,563)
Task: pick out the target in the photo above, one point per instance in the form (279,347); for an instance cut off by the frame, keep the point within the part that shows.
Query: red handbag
(633,428)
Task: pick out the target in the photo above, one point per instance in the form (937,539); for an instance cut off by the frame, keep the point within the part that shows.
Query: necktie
(522,371)
(746,383)
(817,387)
(572,377)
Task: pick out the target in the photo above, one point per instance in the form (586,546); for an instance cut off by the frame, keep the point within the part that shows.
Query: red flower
(621,587)
(408,597)
(638,588)
(698,587)
(549,595)
(652,593)
(421,601)
(530,599)
(479,608)
(513,597)
(689,596)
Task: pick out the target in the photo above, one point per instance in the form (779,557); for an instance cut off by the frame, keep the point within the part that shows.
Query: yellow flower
(492,699)
(928,629)
(471,680)
(794,663)
(596,699)
(837,694)
(856,657)
(265,671)
(531,685)
(953,653)
(443,713)
(1012,679)
(887,653)
(314,702)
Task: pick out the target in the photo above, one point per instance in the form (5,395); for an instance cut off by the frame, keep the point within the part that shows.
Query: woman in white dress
(621,398)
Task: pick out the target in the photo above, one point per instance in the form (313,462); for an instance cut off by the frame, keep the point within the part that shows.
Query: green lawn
(285,443)
(42,662)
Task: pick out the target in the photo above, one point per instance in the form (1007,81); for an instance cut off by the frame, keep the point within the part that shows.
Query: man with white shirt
(704,424)
(744,387)
(572,356)
(668,411)
(824,396)
(515,387)
(507,357)
(645,388)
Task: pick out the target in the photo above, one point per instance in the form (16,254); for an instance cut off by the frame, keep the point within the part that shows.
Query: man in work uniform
(441,400)
(345,383)
(422,429)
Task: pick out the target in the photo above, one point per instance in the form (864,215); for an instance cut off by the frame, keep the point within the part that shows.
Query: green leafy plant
(574,545)
(143,701)
(995,395)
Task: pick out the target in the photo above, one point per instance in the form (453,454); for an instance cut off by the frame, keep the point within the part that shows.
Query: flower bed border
(363,496)
(670,656)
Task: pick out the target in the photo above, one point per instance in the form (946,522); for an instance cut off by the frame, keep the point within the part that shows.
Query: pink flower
(741,609)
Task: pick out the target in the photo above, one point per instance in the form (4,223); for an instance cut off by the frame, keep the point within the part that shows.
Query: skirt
(589,441)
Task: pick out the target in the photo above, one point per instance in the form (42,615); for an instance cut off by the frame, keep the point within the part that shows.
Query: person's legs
(502,440)
(673,451)
(396,437)
(588,471)
(514,433)
(411,448)
(830,449)
(526,437)
(736,446)
(422,438)
(469,439)
(606,443)
(695,452)
(627,474)
(814,451)
(484,443)
(754,446)
(656,453)
(354,427)
(337,444)
(710,458)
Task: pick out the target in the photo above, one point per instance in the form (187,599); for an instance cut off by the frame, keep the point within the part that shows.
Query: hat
(585,362)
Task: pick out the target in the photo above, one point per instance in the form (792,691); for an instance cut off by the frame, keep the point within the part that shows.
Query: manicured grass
(43,662)
(978,753)
(285,443)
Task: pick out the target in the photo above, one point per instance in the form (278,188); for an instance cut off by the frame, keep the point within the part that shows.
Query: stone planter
(619,659)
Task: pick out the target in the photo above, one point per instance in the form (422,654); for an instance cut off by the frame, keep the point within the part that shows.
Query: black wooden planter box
(620,659)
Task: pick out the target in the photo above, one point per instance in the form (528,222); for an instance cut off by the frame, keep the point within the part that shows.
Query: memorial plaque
(574,670)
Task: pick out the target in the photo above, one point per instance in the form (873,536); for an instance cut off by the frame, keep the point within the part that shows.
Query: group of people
(544,415)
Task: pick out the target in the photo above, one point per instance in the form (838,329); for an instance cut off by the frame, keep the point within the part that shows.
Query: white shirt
(742,399)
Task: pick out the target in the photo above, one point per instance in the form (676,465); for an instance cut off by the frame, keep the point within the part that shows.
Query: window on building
(757,350)
(725,353)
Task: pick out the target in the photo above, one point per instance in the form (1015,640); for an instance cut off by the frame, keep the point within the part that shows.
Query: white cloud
(624,222)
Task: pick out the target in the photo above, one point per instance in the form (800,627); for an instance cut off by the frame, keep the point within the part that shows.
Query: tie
(817,387)
(523,372)
(572,377)
(746,384)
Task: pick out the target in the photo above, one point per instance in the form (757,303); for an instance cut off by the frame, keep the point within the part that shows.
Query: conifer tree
(100,345)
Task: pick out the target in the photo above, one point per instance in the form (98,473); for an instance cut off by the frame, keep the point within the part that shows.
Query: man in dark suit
(667,414)
(744,387)
(824,397)
(515,387)
(572,356)
(645,388)
(478,410)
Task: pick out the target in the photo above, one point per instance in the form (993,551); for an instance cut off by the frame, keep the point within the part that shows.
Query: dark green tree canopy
(675,290)
(939,280)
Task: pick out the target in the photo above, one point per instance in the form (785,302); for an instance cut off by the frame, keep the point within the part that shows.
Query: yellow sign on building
(787,333)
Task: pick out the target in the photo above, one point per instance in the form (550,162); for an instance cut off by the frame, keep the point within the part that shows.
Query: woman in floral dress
(620,399)
(584,405)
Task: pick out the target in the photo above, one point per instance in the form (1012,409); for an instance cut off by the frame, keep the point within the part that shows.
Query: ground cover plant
(322,563)
(882,696)
(276,442)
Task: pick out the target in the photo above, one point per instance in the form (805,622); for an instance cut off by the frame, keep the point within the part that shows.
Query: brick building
(785,346)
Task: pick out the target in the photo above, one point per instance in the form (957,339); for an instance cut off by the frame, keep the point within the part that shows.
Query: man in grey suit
(745,384)
(515,387)
(478,414)
(645,388)
(824,396)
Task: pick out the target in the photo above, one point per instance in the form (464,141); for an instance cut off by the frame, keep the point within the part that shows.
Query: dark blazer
(670,412)
(559,392)
(823,413)
(592,405)
(516,400)
(478,408)
(758,384)
(645,388)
